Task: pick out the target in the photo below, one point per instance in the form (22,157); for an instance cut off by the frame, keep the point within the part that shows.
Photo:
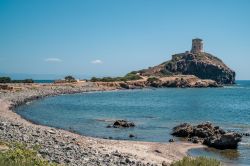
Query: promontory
(194,68)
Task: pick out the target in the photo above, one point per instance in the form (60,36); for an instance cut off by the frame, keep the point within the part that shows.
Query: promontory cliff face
(195,62)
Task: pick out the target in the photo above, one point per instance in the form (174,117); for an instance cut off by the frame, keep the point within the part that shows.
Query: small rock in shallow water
(246,134)
(131,136)
(171,140)
(121,124)
(109,126)
(195,140)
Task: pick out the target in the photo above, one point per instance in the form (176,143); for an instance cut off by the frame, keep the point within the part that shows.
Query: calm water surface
(154,111)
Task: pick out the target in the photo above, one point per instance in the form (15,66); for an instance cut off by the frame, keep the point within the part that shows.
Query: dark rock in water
(123,123)
(182,130)
(195,140)
(225,141)
(171,140)
(245,134)
(131,136)
(109,126)
(209,135)
(221,131)
(216,127)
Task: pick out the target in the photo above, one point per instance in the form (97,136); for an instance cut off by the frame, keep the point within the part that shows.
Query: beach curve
(62,146)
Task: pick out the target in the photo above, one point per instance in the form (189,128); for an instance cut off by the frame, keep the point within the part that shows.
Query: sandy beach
(65,147)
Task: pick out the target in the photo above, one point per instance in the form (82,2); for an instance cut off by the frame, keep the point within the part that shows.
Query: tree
(5,80)
(70,79)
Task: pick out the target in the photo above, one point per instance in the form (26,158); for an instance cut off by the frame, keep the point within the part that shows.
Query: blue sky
(113,37)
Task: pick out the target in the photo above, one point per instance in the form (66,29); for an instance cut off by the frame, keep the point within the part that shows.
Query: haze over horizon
(87,38)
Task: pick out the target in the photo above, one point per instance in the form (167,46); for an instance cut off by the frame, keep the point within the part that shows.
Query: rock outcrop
(198,63)
(208,134)
(177,81)
(121,124)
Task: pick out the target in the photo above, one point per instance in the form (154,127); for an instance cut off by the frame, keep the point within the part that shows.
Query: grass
(2,143)
(198,161)
(19,155)
(152,79)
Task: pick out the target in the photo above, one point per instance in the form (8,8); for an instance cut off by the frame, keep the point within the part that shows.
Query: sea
(44,81)
(154,111)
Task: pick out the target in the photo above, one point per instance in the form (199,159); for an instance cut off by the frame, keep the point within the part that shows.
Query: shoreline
(62,146)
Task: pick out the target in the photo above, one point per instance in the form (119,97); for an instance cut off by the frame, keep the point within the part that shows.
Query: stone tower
(197,46)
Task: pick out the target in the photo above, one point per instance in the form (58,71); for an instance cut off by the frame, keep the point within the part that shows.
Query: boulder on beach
(208,134)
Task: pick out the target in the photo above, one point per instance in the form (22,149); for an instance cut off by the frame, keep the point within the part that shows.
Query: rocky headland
(195,62)
(177,81)
(191,69)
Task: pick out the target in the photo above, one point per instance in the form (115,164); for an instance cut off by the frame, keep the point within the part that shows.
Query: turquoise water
(154,111)
(44,81)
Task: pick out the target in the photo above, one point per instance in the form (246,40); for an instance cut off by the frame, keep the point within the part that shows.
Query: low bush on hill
(152,79)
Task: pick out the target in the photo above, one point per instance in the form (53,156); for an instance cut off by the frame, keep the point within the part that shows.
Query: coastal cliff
(196,62)
(192,69)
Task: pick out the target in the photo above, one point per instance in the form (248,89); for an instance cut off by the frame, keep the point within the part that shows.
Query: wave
(245,143)
(105,120)
(235,87)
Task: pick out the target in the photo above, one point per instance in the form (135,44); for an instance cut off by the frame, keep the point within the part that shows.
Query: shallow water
(154,111)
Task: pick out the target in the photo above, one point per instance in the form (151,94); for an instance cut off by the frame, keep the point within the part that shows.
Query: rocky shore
(207,134)
(176,81)
(68,148)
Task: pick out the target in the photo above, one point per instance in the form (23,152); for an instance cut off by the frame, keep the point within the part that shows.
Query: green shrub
(142,71)
(128,77)
(198,161)
(94,79)
(8,80)
(165,72)
(70,79)
(20,155)
(152,79)
(131,76)
(23,81)
(133,72)
(5,79)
